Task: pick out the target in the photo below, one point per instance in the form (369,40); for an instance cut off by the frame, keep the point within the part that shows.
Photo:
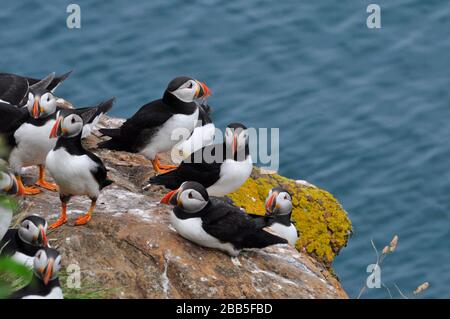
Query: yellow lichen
(323,225)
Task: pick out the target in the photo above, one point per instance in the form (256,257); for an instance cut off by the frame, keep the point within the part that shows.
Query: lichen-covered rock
(130,250)
(323,224)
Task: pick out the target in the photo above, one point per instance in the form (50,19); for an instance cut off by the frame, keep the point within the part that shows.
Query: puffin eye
(73,120)
(190,195)
(190,85)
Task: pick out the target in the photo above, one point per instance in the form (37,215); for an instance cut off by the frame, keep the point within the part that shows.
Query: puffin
(22,243)
(8,186)
(44,282)
(213,223)
(75,170)
(14,88)
(151,129)
(203,134)
(27,131)
(278,212)
(220,168)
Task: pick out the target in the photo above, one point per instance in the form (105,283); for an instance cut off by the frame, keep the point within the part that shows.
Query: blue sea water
(362,112)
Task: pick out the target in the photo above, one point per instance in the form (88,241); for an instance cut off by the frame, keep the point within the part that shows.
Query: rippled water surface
(363,113)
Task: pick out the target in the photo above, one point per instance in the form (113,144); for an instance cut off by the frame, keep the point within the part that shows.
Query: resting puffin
(44,283)
(221,168)
(27,131)
(279,210)
(21,244)
(203,135)
(75,170)
(213,223)
(149,131)
(14,88)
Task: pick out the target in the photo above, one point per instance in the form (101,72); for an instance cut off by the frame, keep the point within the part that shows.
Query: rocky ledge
(130,250)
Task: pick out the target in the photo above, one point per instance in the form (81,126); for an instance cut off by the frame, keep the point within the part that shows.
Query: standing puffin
(14,88)
(150,130)
(21,244)
(279,208)
(75,170)
(44,283)
(27,131)
(221,168)
(213,223)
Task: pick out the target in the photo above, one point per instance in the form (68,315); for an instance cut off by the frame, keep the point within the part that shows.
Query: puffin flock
(44,130)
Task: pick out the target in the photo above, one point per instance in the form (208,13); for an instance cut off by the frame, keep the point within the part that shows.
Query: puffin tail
(113,144)
(168,180)
(261,239)
(106,183)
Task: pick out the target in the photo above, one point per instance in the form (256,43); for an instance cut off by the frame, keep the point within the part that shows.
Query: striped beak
(56,129)
(36,108)
(270,203)
(171,198)
(48,271)
(203,90)
(43,236)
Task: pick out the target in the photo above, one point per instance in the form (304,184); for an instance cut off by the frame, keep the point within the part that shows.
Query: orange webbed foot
(61,221)
(50,186)
(83,220)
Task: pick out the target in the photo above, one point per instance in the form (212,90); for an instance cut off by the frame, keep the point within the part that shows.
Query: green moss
(323,224)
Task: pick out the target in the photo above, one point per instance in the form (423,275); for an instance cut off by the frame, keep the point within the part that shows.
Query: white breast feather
(287,232)
(163,140)
(55,293)
(72,173)
(33,145)
(232,175)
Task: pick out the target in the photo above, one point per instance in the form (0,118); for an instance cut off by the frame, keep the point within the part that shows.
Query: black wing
(55,82)
(197,168)
(100,172)
(89,113)
(144,123)
(228,224)
(13,88)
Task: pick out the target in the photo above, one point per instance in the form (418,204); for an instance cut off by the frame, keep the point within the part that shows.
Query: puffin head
(278,202)
(8,184)
(191,197)
(46,264)
(236,137)
(41,102)
(67,126)
(187,89)
(32,230)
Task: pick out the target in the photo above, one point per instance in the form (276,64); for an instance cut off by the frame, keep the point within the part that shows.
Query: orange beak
(270,203)
(56,128)
(49,272)
(44,237)
(36,109)
(204,91)
(168,198)
(234,144)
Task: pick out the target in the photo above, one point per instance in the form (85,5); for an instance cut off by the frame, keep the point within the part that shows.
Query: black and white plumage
(27,131)
(213,223)
(278,215)
(221,168)
(44,283)
(14,88)
(22,243)
(151,130)
(75,170)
